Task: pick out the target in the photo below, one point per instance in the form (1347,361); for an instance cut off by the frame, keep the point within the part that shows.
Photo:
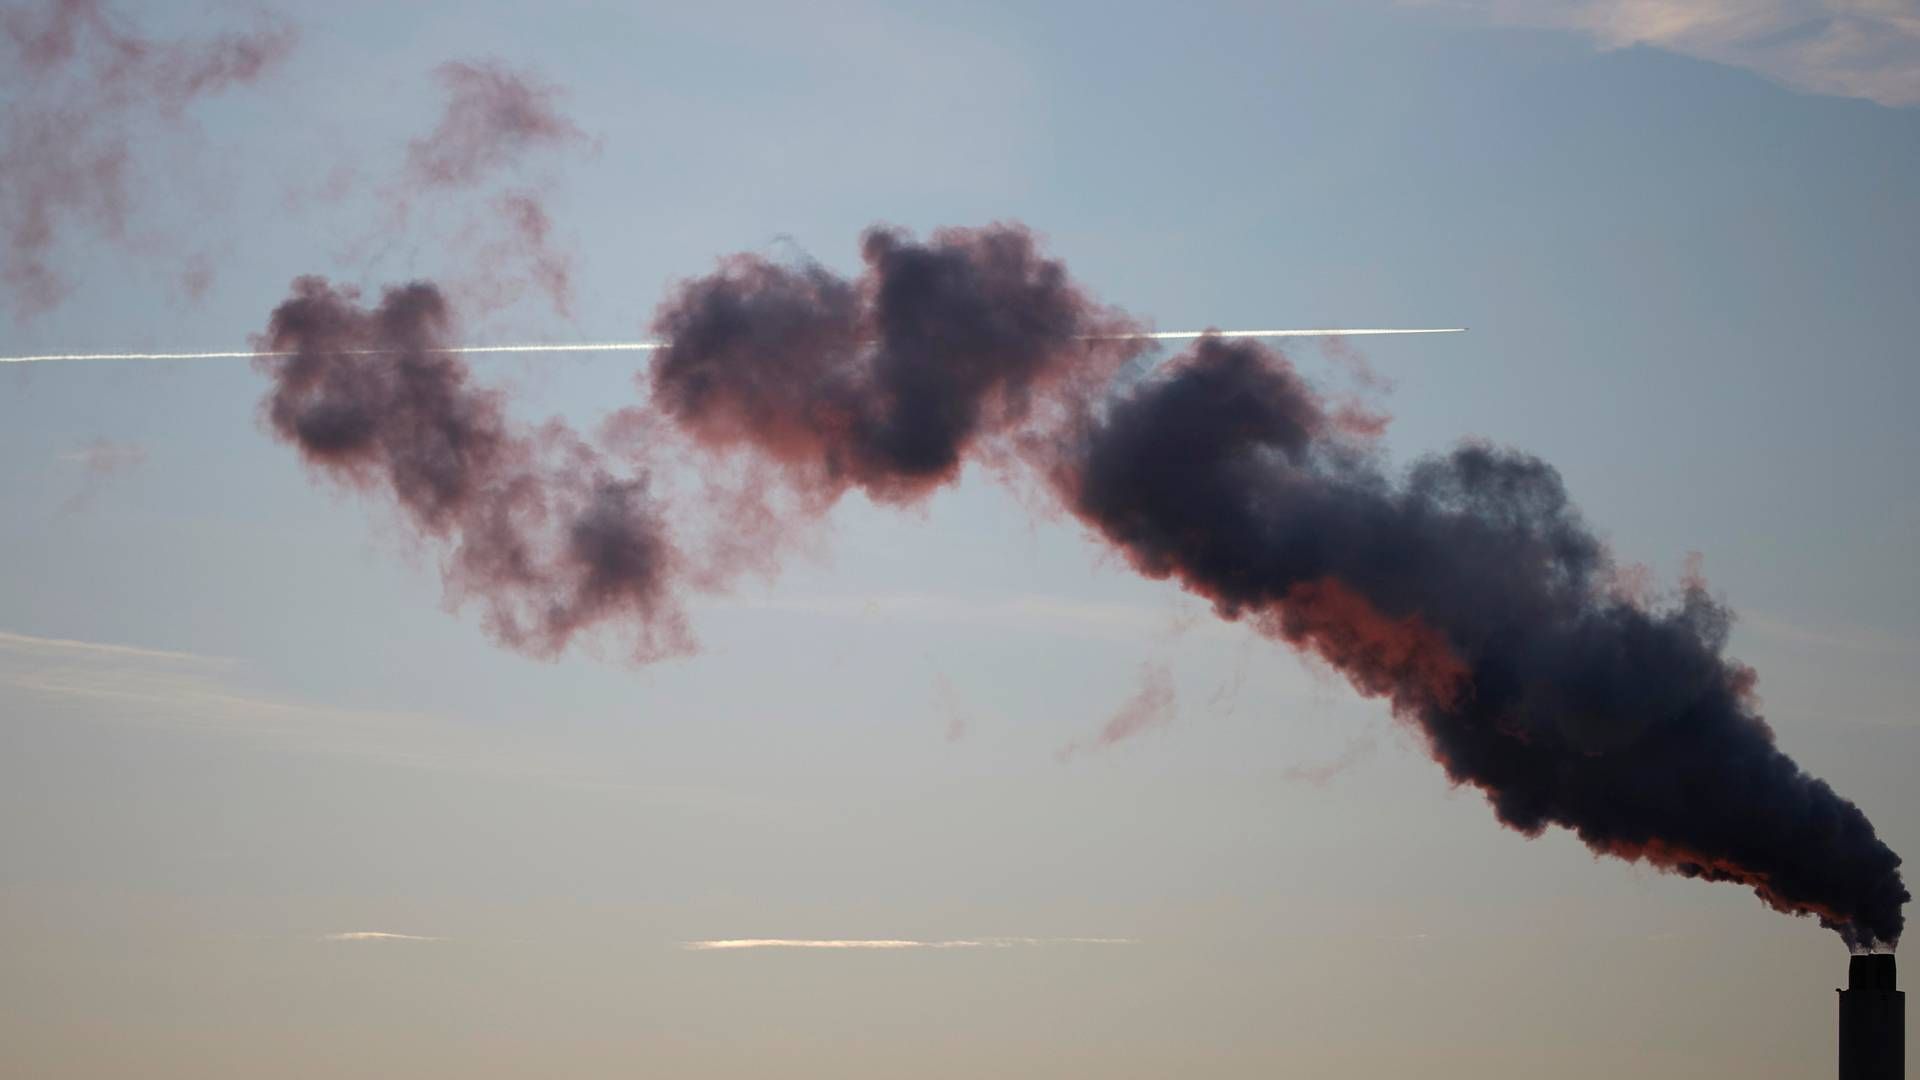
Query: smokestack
(1873,1021)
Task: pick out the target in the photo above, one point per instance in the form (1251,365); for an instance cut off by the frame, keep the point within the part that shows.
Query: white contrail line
(461,350)
(650,346)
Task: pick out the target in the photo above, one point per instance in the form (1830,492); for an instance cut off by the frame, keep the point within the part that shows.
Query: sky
(270,805)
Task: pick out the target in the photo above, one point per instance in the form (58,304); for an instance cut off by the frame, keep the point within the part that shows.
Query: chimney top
(1871,971)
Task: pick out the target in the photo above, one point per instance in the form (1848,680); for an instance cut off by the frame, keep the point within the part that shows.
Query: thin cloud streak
(107,456)
(1033,611)
(1151,706)
(1322,774)
(102,459)
(893,944)
(1846,48)
(195,701)
(12,642)
(376,935)
(45,678)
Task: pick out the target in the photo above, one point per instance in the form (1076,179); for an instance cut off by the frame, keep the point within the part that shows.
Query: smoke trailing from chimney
(1471,595)
(1467,592)
(536,524)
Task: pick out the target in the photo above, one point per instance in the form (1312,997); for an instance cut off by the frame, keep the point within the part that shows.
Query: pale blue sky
(1690,286)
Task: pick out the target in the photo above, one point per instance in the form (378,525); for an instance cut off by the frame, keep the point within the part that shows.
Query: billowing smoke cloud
(887,383)
(80,83)
(1468,592)
(1473,597)
(535,524)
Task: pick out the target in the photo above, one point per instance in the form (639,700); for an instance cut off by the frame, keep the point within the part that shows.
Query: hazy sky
(268,808)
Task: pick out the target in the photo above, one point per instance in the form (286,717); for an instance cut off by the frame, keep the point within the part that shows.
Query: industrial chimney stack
(1873,1021)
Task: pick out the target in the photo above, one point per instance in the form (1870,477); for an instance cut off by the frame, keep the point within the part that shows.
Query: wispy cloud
(1150,706)
(106,456)
(1322,774)
(376,935)
(53,679)
(955,715)
(102,459)
(213,695)
(1032,612)
(27,643)
(176,689)
(1848,48)
(888,944)
(59,680)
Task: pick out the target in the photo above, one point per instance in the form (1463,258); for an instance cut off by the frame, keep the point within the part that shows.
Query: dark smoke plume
(534,523)
(1468,593)
(886,383)
(80,83)
(1473,597)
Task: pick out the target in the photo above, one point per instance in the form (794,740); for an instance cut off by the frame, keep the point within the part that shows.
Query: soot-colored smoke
(1467,592)
(84,88)
(1473,597)
(535,524)
(495,115)
(884,383)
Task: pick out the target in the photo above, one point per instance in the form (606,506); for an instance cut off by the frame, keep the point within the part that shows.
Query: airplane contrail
(650,346)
